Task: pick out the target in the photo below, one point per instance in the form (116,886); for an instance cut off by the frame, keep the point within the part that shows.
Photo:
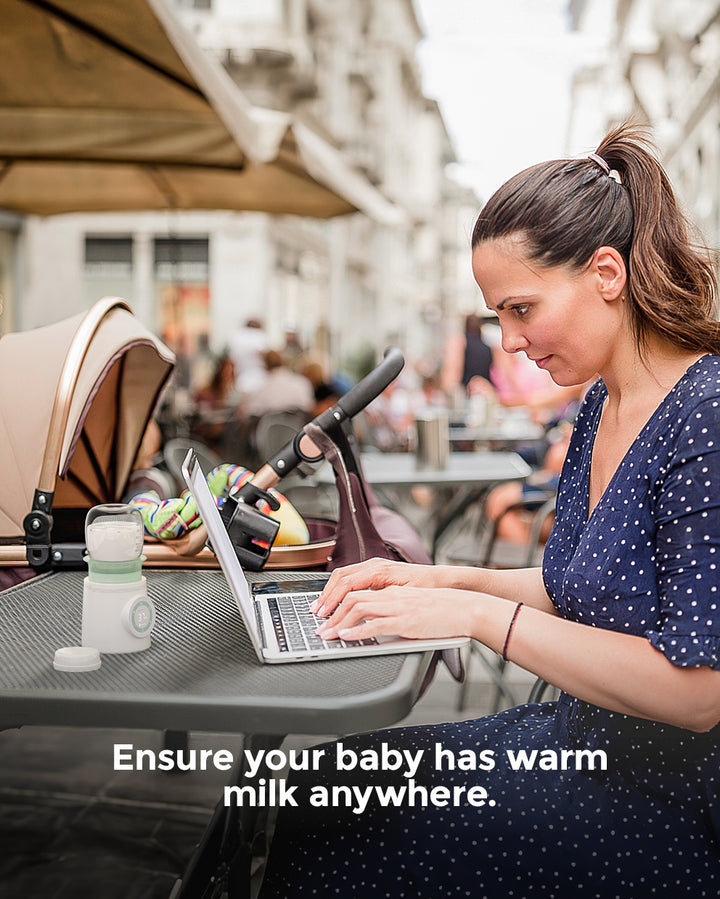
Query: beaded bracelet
(510,630)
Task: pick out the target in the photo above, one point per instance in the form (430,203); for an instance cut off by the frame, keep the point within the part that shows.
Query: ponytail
(672,286)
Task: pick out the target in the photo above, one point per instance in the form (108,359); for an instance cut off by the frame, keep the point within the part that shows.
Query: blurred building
(345,286)
(10,270)
(662,67)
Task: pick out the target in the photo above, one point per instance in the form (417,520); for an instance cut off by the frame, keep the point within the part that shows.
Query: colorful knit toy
(167,519)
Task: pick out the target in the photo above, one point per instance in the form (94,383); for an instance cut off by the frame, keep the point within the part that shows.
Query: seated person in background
(326,389)
(313,369)
(215,403)
(515,525)
(219,392)
(326,395)
(547,456)
(282,389)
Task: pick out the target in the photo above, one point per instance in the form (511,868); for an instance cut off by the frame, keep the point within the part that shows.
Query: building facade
(662,68)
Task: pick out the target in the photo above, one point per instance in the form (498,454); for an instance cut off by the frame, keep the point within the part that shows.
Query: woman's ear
(610,268)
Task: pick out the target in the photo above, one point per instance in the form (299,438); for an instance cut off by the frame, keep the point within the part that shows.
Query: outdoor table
(200,673)
(462,470)
(507,434)
(469,476)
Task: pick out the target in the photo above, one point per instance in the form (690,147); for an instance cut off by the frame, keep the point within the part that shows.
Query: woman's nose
(513,341)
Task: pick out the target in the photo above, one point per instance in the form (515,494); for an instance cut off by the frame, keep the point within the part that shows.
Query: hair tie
(611,173)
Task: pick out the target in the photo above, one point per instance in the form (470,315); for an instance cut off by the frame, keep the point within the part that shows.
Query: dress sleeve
(687,514)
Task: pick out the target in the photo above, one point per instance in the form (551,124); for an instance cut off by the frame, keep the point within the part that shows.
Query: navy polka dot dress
(648,824)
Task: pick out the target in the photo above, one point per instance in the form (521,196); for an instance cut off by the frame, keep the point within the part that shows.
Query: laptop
(277,615)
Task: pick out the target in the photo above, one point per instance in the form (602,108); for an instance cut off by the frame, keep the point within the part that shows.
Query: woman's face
(560,318)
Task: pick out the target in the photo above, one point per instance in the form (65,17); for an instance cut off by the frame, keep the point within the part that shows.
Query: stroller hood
(75,399)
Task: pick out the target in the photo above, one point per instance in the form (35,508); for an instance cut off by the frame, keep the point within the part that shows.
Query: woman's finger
(378,627)
(408,612)
(351,578)
(368,606)
(341,583)
(354,608)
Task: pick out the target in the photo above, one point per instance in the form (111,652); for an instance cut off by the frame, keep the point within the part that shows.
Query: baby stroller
(75,400)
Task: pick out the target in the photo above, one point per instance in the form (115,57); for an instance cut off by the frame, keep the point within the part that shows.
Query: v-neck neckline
(590,514)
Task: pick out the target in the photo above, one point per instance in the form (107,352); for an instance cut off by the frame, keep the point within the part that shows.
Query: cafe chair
(274,430)
(539,690)
(313,500)
(541,506)
(175,450)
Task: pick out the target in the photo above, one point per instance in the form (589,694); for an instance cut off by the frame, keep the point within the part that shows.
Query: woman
(477,355)
(589,268)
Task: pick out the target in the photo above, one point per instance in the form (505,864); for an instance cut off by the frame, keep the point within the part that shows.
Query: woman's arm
(618,671)
(516,584)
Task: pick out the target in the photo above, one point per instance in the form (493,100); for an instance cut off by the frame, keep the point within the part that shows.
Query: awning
(113,106)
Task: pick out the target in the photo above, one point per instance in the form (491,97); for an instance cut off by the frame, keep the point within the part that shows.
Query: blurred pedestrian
(246,348)
(281,390)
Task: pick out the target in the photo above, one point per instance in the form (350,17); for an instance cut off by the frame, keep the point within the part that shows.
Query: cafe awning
(114,106)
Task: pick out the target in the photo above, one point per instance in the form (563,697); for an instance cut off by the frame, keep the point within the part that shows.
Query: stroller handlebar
(352,402)
(373,384)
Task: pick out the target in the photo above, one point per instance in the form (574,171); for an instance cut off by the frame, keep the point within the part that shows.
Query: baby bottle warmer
(118,615)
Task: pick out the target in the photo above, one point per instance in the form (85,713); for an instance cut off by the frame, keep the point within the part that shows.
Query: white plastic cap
(76,658)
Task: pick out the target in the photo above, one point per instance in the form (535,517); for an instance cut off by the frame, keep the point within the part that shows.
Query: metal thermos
(433,444)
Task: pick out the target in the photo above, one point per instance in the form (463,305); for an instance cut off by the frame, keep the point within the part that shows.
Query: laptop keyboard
(295,625)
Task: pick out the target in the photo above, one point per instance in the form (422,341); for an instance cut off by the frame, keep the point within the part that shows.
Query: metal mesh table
(200,673)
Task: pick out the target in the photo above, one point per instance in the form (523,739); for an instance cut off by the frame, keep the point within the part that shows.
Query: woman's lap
(545,831)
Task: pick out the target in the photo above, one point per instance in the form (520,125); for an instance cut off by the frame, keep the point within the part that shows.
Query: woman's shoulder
(593,397)
(697,392)
(702,379)
(688,422)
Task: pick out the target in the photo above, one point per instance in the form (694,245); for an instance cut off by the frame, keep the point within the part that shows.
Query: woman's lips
(543,361)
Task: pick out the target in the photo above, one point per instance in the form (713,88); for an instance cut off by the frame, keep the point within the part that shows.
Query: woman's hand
(371,575)
(404,611)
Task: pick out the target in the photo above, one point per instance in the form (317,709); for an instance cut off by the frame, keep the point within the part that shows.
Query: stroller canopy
(75,399)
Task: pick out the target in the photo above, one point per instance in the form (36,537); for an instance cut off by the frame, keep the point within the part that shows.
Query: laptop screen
(222,546)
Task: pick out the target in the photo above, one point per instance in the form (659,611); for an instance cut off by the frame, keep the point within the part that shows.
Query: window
(181,259)
(109,257)
(194,4)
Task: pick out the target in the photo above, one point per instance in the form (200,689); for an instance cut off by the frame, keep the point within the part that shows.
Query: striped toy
(167,519)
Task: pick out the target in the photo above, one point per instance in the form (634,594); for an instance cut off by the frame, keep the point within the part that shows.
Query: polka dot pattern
(644,563)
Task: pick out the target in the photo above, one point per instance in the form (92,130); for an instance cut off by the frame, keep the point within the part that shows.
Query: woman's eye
(521,309)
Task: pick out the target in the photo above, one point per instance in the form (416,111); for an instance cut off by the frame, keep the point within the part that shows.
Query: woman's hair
(562,211)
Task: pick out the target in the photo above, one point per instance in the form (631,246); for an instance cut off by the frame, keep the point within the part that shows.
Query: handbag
(367,530)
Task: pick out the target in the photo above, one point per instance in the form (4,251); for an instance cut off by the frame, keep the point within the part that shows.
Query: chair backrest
(175,450)
(274,430)
(542,505)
